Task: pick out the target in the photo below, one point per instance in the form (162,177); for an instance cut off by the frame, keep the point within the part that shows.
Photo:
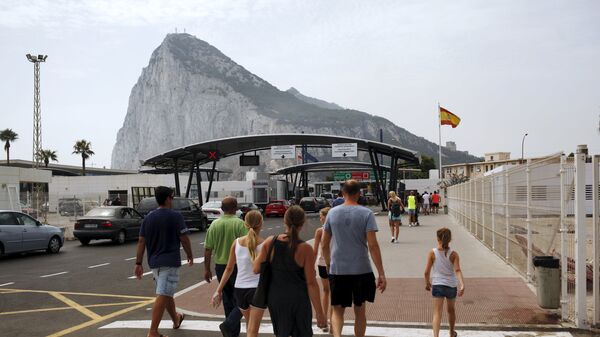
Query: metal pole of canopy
(199,183)
(210,182)
(177,187)
(189,183)
(382,180)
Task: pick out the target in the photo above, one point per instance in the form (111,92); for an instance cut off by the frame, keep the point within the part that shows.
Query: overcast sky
(504,67)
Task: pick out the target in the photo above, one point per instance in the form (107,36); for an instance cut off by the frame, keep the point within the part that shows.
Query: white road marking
(213,326)
(144,274)
(99,265)
(192,287)
(55,274)
(131,258)
(6,284)
(197,260)
(202,243)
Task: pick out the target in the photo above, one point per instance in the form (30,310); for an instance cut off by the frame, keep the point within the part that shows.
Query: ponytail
(444,235)
(294,218)
(253,221)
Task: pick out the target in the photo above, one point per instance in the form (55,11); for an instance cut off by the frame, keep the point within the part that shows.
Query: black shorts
(243,297)
(323,272)
(348,289)
(435,204)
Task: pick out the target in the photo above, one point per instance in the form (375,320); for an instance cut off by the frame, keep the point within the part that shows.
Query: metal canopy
(327,166)
(227,147)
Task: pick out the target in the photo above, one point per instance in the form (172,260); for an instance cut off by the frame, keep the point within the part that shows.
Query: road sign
(283,152)
(356,175)
(344,150)
(342,176)
(360,175)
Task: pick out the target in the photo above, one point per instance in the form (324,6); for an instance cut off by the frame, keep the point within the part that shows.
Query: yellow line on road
(75,305)
(98,320)
(69,308)
(5,290)
(13,291)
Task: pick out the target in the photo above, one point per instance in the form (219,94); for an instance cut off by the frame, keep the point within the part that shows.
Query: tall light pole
(37,122)
(523,148)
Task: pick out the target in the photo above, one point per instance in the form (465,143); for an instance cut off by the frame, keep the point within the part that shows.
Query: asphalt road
(97,278)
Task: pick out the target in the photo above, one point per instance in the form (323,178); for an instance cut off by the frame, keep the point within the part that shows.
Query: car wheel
(120,238)
(84,242)
(203,225)
(53,245)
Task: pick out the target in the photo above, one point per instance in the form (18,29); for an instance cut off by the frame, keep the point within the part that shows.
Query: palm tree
(47,155)
(84,148)
(8,136)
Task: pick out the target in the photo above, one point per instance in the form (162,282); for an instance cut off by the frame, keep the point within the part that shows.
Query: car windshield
(212,204)
(147,205)
(306,199)
(101,212)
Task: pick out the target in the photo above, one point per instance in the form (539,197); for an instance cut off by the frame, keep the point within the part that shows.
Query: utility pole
(37,122)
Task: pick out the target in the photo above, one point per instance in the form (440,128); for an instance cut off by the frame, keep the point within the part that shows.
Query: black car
(192,214)
(323,203)
(118,223)
(246,207)
(70,206)
(309,204)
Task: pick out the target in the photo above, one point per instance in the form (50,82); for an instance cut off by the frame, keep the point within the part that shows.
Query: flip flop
(455,334)
(181,318)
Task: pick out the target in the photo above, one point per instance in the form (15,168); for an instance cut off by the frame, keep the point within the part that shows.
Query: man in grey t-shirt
(351,230)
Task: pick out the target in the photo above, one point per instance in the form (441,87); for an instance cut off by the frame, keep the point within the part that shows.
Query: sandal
(455,334)
(181,318)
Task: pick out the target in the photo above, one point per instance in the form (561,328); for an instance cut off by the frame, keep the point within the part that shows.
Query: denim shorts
(166,279)
(412,211)
(443,291)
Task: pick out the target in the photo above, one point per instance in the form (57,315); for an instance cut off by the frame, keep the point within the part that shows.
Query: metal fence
(539,208)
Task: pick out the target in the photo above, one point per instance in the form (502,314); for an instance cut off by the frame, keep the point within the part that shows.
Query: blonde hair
(392,194)
(323,212)
(294,218)
(445,236)
(253,221)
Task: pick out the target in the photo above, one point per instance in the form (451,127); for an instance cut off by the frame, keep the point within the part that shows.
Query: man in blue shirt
(349,236)
(338,201)
(161,233)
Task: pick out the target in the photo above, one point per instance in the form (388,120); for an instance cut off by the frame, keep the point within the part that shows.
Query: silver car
(21,233)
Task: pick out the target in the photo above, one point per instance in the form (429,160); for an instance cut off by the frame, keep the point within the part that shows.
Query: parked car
(118,223)
(277,207)
(192,214)
(70,206)
(310,204)
(21,233)
(246,207)
(323,203)
(213,210)
(329,197)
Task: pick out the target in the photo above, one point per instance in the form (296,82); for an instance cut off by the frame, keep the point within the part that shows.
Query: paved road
(86,279)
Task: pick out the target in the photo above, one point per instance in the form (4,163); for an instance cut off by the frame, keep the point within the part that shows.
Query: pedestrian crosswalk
(266,328)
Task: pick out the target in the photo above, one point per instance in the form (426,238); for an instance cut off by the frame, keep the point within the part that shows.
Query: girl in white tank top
(243,252)
(444,279)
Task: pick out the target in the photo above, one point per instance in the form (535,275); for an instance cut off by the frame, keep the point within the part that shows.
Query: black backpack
(396,211)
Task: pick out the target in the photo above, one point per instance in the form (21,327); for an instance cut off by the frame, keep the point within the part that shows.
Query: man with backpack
(396,208)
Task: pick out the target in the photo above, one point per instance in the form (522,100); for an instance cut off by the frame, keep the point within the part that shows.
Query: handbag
(260,299)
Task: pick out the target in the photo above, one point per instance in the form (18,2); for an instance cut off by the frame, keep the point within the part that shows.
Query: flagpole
(440,143)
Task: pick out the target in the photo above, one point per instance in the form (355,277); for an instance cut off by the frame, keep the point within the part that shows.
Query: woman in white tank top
(444,279)
(243,252)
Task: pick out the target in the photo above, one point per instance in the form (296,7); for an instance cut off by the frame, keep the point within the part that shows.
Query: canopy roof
(204,152)
(328,166)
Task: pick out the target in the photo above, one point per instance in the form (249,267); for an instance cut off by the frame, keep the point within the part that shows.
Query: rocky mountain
(191,92)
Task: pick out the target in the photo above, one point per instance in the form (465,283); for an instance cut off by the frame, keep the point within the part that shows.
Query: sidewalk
(495,294)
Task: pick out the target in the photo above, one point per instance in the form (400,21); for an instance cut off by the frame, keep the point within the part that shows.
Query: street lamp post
(523,148)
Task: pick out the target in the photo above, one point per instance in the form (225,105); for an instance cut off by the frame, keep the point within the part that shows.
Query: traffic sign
(283,152)
(344,150)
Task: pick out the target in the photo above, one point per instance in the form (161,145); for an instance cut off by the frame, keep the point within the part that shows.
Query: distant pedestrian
(116,202)
(396,208)
(426,202)
(435,202)
(339,200)
(161,233)
(348,238)
(419,199)
(220,236)
(293,286)
(446,281)
(322,268)
(243,252)
(411,202)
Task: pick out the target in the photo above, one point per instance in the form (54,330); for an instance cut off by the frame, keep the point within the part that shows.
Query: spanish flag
(448,118)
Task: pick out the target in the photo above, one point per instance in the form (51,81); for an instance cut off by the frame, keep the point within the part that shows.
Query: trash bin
(547,273)
(445,209)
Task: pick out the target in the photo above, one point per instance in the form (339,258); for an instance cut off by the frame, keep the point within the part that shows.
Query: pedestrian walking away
(293,284)
(219,238)
(411,202)
(426,202)
(322,268)
(243,252)
(435,202)
(396,209)
(348,238)
(444,279)
(161,234)
(339,200)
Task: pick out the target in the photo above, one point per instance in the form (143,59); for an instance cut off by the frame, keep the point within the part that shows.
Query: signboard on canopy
(344,150)
(283,152)
(356,175)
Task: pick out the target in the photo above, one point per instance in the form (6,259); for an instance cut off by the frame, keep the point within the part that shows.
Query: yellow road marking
(68,308)
(13,291)
(75,305)
(98,320)
(79,294)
